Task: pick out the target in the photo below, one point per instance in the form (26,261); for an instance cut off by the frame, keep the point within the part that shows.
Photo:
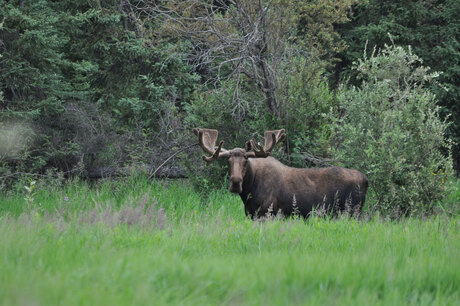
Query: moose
(268,186)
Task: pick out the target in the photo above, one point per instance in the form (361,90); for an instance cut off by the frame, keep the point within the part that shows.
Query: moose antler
(207,140)
(271,139)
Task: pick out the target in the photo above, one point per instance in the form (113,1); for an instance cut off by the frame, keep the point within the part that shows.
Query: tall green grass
(136,242)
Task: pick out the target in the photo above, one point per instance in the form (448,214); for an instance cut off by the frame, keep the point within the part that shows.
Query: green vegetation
(150,243)
(432,29)
(90,89)
(392,131)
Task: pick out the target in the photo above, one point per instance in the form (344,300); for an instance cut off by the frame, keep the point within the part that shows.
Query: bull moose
(267,185)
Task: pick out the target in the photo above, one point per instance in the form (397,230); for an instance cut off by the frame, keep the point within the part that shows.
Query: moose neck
(248,180)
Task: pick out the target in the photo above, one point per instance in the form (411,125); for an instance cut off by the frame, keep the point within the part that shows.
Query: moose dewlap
(266,185)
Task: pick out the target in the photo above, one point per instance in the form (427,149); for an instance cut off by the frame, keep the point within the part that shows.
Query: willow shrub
(390,129)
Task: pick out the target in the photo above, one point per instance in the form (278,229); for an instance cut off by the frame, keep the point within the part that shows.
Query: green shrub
(390,129)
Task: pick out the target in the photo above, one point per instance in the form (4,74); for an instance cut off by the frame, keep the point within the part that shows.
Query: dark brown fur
(266,185)
(267,182)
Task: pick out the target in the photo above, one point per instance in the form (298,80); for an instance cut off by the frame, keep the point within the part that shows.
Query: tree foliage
(91,88)
(89,85)
(432,28)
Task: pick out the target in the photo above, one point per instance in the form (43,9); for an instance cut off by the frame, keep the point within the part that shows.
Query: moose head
(237,157)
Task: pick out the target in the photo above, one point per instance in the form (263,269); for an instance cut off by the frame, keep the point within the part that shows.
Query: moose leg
(269,208)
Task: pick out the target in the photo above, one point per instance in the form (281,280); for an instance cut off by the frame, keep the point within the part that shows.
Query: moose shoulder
(266,184)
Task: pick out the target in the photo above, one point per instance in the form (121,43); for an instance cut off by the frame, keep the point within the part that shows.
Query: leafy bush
(431,27)
(391,130)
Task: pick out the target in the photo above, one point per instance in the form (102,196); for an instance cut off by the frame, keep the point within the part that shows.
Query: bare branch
(247,38)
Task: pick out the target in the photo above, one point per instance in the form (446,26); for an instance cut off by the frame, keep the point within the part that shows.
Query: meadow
(151,243)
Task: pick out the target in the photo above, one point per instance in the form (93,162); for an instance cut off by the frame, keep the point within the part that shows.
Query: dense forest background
(93,88)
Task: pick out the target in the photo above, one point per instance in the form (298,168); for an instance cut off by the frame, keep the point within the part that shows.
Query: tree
(79,74)
(432,28)
(391,130)
(245,41)
(250,41)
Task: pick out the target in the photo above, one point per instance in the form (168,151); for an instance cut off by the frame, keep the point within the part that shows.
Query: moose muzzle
(236,184)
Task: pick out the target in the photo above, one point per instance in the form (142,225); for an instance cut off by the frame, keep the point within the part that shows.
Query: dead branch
(233,40)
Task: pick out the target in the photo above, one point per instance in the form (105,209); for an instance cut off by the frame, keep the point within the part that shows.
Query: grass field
(147,244)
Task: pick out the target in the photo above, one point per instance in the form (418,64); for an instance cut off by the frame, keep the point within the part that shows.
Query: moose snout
(236,184)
